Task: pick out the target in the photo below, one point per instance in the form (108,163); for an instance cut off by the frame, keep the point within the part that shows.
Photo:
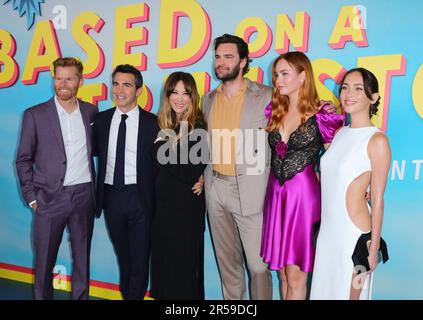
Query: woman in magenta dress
(298,130)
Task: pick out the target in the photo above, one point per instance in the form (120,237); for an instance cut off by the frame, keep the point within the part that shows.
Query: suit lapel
(104,128)
(207,107)
(248,110)
(87,125)
(54,122)
(248,113)
(140,139)
(209,104)
(106,132)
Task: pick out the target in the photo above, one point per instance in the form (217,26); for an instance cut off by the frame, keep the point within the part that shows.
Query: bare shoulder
(379,146)
(379,140)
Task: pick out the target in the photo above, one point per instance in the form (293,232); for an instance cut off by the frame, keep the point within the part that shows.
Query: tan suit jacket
(251,179)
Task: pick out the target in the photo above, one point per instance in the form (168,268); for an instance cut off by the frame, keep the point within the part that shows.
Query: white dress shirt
(130,146)
(75,141)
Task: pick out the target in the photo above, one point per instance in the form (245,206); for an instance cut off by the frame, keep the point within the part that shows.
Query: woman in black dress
(179,220)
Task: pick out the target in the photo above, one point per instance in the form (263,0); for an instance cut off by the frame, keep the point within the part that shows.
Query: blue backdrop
(388,44)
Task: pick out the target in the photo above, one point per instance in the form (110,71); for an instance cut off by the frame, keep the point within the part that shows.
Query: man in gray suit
(235,189)
(56,176)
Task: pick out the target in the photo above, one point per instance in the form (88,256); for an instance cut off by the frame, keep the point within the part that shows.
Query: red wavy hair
(308,99)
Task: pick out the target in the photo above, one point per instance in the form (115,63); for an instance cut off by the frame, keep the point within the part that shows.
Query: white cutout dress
(345,160)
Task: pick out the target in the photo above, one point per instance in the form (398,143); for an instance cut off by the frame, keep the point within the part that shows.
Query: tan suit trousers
(234,234)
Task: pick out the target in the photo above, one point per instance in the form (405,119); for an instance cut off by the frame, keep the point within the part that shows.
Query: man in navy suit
(123,137)
(56,176)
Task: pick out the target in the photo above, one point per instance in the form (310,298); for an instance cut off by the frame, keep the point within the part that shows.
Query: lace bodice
(304,146)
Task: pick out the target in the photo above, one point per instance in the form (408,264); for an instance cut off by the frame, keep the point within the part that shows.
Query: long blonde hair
(193,115)
(308,99)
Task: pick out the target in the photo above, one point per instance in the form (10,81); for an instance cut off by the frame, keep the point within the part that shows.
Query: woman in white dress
(358,158)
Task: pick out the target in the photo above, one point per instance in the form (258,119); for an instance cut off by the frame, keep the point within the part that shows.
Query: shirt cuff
(32,202)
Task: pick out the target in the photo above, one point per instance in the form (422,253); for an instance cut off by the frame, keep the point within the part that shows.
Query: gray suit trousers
(74,208)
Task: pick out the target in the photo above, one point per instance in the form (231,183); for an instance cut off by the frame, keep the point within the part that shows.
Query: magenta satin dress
(292,202)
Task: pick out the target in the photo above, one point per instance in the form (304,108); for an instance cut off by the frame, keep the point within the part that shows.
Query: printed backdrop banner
(160,37)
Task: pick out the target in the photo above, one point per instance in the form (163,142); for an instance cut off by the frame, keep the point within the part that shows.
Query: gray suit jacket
(251,175)
(41,157)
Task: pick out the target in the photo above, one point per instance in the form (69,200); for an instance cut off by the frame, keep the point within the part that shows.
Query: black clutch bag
(361,252)
(316,229)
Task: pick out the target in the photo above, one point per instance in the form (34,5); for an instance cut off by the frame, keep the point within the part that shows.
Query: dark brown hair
(371,86)
(241,45)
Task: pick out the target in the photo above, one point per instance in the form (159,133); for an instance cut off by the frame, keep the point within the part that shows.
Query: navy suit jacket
(41,157)
(147,134)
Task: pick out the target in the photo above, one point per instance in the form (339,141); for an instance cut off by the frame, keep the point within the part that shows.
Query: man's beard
(65,96)
(231,75)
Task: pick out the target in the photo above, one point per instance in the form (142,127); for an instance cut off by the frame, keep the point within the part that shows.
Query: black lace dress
(292,203)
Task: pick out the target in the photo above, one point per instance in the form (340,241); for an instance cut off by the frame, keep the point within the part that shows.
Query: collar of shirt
(61,111)
(132,115)
(243,88)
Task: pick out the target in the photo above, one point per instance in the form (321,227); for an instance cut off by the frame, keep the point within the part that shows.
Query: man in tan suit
(236,180)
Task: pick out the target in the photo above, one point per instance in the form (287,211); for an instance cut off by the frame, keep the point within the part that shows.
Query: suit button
(61,180)
(64,162)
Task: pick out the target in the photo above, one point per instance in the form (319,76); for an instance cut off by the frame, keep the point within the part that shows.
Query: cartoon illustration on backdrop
(28,7)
